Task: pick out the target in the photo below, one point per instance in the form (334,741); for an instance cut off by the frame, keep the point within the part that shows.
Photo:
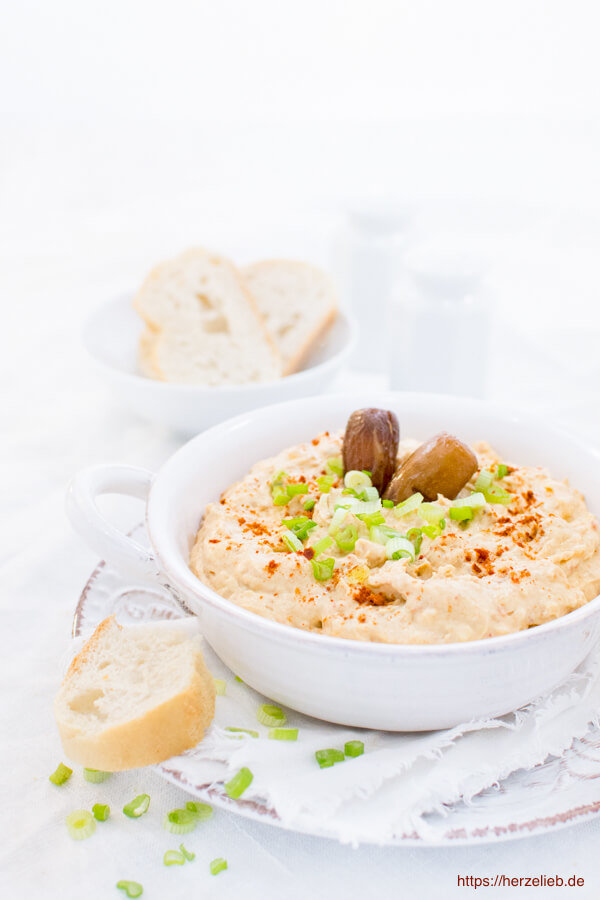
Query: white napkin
(401,778)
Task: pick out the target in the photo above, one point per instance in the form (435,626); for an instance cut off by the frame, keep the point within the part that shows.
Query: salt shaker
(440,326)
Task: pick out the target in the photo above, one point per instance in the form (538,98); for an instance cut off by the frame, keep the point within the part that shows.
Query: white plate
(560,792)
(111,336)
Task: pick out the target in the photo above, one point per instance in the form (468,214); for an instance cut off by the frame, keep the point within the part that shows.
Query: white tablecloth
(77,245)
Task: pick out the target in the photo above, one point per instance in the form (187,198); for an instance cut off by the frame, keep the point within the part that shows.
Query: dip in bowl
(434,671)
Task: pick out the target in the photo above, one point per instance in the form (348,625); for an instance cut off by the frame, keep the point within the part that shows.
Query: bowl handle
(113,545)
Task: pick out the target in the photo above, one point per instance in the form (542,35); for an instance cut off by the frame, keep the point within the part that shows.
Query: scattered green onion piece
(498,494)
(218,865)
(137,807)
(355,479)
(365,507)
(283,734)
(220,687)
(338,519)
(388,504)
(291,541)
(377,534)
(409,505)
(190,857)
(173,858)
(501,470)
(95,776)
(335,465)
(293,490)
(280,496)
(309,504)
(101,811)
(323,568)
(236,786)
(323,544)
(180,821)
(346,539)
(325,483)
(370,519)
(131,888)
(354,748)
(369,493)
(237,678)
(202,811)
(416,536)
(80,824)
(366,472)
(432,513)
(249,731)
(474,501)
(61,774)
(400,548)
(484,480)
(431,531)
(461,513)
(268,714)
(302,529)
(327,758)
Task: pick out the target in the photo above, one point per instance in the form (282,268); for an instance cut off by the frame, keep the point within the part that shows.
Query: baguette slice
(207,328)
(134,696)
(298,303)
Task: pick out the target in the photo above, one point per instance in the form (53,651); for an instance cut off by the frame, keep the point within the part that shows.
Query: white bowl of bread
(203,340)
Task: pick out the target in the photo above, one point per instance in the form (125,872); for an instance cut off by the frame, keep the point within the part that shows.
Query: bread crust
(165,730)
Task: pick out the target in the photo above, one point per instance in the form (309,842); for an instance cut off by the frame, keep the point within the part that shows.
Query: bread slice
(208,329)
(298,303)
(134,696)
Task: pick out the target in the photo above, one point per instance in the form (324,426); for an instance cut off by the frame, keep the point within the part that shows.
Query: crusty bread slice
(208,329)
(134,696)
(298,303)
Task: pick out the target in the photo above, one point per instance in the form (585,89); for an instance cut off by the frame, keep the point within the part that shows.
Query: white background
(130,130)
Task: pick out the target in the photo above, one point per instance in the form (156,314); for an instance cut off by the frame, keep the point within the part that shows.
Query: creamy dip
(512,566)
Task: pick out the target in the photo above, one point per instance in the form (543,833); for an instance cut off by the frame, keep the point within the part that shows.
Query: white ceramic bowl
(111,335)
(372,685)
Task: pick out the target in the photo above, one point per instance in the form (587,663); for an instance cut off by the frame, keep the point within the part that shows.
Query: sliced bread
(134,696)
(204,325)
(298,303)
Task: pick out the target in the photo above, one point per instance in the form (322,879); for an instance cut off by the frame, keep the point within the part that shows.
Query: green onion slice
(80,824)
(501,470)
(323,544)
(61,774)
(432,513)
(220,687)
(335,465)
(431,531)
(338,519)
(415,535)
(309,504)
(346,539)
(301,526)
(461,513)
(484,480)
(95,776)
(218,865)
(268,714)
(387,504)
(325,483)
(101,811)
(202,811)
(283,734)
(293,490)
(291,541)
(173,858)
(474,501)
(323,568)
(249,731)
(236,786)
(370,519)
(278,491)
(137,807)
(180,821)
(498,494)
(409,505)
(327,758)
(355,479)
(190,857)
(354,748)
(400,548)
(131,888)
(369,493)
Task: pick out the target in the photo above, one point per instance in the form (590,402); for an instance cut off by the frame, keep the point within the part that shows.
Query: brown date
(371,443)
